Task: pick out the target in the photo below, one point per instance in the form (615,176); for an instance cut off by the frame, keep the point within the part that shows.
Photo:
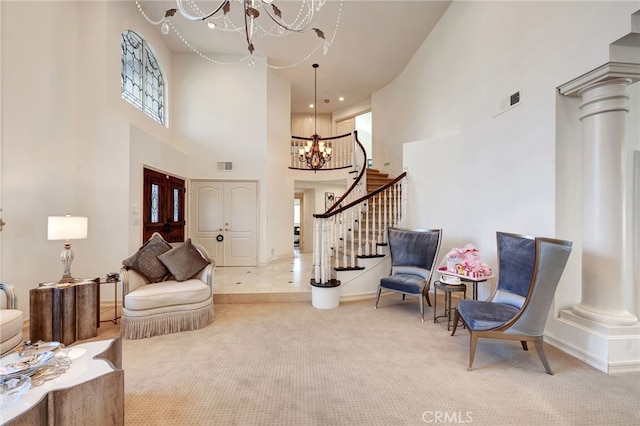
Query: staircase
(376,179)
(350,252)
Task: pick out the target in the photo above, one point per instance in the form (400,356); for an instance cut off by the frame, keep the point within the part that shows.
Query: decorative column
(606,278)
(604,108)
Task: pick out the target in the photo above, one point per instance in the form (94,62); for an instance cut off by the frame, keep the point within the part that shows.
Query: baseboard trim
(599,364)
(621,367)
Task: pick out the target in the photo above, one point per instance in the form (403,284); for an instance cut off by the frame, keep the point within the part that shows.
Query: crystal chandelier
(315,154)
(273,23)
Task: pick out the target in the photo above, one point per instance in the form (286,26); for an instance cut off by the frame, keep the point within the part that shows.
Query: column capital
(608,71)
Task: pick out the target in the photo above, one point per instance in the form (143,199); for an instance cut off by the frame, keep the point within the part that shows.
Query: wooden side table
(64,313)
(466,278)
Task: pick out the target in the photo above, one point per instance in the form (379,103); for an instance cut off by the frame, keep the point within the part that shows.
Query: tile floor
(283,280)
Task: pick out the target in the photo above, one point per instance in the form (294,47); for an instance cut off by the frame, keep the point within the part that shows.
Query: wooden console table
(90,392)
(64,313)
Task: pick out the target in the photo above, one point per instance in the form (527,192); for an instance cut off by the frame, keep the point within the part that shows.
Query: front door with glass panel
(163,206)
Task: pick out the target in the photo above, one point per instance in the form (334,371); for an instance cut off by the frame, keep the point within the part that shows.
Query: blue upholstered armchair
(413,256)
(529,271)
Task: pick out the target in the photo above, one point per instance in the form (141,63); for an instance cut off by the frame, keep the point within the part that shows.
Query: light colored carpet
(292,364)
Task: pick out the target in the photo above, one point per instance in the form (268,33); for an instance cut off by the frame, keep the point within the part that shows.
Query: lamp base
(66,256)
(68,279)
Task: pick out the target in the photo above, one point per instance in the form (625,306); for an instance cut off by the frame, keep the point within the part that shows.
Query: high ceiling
(373,43)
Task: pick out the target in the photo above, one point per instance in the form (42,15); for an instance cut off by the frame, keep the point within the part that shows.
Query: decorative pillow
(184,261)
(145,260)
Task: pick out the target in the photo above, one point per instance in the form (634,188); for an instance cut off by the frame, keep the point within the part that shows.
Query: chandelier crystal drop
(315,154)
(260,18)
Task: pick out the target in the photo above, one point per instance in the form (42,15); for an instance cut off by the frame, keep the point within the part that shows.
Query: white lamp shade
(67,227)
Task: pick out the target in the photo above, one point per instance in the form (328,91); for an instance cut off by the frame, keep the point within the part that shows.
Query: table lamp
(67,228)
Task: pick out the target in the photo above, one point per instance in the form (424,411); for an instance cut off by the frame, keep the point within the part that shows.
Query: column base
(611,349)
(612,319)
(325,297)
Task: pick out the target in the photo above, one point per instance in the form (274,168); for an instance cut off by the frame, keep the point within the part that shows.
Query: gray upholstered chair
(413,257)
(11,319)
(529,271)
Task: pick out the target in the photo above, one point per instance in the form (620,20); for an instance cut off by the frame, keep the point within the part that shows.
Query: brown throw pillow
(183,261)
(145,260)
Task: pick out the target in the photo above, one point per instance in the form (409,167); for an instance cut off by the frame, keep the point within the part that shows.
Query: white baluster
(374,229)
(352,250)
(323,248)
(365,217)
(338,240)
(358,209)
(316,250)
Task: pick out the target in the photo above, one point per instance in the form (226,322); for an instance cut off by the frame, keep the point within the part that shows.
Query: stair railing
(356,229)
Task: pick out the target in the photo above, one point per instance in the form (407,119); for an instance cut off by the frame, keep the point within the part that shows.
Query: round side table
(447,289)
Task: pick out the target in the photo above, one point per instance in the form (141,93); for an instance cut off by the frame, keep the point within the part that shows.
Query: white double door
(224,220)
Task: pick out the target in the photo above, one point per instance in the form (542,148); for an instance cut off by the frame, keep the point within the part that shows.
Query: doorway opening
(364,127)
(297,229)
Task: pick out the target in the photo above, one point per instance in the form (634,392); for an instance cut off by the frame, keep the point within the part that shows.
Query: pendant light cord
(315,99)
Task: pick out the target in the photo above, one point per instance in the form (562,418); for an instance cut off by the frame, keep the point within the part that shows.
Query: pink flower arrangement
(466,261)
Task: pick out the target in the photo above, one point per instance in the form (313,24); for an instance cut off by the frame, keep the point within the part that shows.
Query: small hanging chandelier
(315,154)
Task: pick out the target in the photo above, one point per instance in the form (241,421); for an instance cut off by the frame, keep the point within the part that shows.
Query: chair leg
(377,298)
(421,308)
(524,345)
(456,318)
(539,344)
(403,296)
(472,349)
(426,294)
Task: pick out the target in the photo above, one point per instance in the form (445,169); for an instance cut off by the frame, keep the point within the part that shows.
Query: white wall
(38,139)
(278,233)
(70,143)
(473,172)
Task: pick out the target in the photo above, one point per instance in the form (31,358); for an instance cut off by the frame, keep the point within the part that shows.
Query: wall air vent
(508,103)
(225,166)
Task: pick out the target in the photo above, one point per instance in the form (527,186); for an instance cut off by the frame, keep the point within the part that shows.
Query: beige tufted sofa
(170,305)
(11,319)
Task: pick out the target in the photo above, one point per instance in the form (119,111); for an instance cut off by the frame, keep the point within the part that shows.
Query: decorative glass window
(155,203)
(176,205)
(142,83)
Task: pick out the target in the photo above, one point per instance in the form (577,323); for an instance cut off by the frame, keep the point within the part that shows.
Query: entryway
(163,206)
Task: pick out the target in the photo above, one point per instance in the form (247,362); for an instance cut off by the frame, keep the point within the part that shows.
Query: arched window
(142,83)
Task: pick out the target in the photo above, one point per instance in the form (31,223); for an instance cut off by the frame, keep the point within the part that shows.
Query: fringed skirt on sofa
(166,320)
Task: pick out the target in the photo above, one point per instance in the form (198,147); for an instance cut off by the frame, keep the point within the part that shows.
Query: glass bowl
(12,390)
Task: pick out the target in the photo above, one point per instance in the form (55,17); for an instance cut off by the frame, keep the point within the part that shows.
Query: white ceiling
(374,42)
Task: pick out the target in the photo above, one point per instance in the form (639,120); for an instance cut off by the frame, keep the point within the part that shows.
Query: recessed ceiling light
(341,98)
(310,105)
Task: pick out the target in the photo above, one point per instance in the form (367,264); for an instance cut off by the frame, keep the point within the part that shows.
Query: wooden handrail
(358,179)
(372,194)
